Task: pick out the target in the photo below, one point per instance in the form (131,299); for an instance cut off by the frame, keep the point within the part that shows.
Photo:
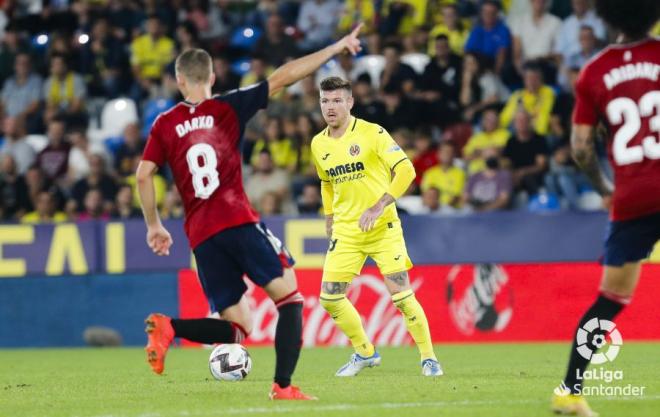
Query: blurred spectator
(21,93)
(10,47)
(343,67)
(560,118)
(264,9)
(53,160)
(64,92)
(535,97)
(480,87)
(588,48)
(14,197)
(281,148)
(225,77)
(126,16)
(399,111)
(317,20)
(81,151)
(15,144)
(103,61)
(425,154)
(98,179)
(396,74)
(563,177)
(309,201)
(270,204)
(358,11)
(525,155)
(491,137)
(130,147)
(305,130)
(440,85)
(94,207)
(160,184)
(452,28)
(490,189)
(447,178)
(266,178)
(534,34)
(221,21)
(45,210)
(196,20)
(37,182)
(490,37)
(566,43)
(150,54)
(173,205)
(430,201)
(124,208)
(275,46)
(259,71)
(187,36)
(366,106)
(402,16)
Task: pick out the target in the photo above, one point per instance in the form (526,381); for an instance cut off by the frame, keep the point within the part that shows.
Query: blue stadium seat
(245,37)
(544,202)
(241,66)
(151,110)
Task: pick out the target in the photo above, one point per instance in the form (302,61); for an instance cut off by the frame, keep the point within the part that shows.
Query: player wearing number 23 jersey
(202,144)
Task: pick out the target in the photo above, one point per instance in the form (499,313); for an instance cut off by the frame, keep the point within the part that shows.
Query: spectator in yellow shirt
(491,137)
(45,210)
(452,27)
(535,98)
(446,177)
(282,149)
(150,54)
(401,17)
(357,11)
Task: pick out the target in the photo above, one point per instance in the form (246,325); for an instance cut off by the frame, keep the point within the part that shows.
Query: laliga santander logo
(382,321)
(482,301)
(596,330)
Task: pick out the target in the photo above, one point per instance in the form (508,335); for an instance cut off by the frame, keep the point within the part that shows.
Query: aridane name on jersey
(352,168)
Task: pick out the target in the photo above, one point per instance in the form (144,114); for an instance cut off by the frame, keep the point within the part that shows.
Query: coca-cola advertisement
(463,303)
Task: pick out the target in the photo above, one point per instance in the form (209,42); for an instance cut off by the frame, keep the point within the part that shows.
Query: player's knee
(331,302)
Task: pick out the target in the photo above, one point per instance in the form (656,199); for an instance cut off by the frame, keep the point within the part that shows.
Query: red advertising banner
(463,303)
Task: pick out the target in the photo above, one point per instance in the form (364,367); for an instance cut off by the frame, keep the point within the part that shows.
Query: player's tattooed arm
(329,220)
(584,153)
(335,287)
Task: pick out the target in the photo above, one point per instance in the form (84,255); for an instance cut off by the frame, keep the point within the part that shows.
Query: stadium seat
(37,142)
(590,201)
(241,66)
(458,134)
(151,111)
(245,37)
(372,65)
(544,202)
(417,61)
(116,114)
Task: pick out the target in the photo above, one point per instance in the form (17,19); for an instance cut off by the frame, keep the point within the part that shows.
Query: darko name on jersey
(340,172)
(200,122)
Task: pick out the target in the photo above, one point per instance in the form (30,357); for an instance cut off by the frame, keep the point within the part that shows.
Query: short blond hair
(194,65)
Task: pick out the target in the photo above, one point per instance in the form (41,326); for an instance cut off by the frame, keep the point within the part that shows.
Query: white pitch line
(357,407)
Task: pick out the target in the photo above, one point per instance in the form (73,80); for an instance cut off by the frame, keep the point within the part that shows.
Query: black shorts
(631,240)
(222,260)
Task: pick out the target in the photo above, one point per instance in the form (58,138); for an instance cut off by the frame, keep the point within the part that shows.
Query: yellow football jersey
(359,166)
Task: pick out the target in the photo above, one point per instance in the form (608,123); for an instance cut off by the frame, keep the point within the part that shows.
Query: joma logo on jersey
(200,122)
(345,169)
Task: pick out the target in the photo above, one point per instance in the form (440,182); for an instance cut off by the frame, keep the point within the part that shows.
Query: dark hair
(533,66)
(632,17)
(494,3)
(335,83)
(394,45)
(442,37)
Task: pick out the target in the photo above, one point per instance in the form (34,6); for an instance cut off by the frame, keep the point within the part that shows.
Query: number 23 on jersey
(625,110)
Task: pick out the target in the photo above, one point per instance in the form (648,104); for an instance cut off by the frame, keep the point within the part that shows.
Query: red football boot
(289,393)
(160,335)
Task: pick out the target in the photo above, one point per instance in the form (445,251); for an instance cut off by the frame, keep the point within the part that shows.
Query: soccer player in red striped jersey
(620,88)
(200,138)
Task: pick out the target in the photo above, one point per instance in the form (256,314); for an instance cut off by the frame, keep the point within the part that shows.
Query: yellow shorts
(346,254)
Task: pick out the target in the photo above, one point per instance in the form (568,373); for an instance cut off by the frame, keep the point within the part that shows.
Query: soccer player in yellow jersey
(363,171)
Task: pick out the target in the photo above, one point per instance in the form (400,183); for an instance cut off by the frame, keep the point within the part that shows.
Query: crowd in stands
(478,93)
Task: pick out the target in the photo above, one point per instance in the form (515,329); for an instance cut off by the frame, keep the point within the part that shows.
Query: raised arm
(299,68)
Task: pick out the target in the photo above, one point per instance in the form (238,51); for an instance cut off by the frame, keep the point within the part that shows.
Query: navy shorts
(631,240)
(222,260)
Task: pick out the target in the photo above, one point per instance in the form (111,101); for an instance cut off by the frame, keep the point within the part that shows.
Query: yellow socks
(348,320)
(418,326)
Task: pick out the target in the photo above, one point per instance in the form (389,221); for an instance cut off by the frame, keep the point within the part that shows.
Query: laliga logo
(598,328)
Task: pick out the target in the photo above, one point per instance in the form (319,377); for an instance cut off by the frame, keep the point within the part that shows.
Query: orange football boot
(289,393)
(160,335)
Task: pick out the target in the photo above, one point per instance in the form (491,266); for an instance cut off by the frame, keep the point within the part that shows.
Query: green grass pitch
(480,380)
